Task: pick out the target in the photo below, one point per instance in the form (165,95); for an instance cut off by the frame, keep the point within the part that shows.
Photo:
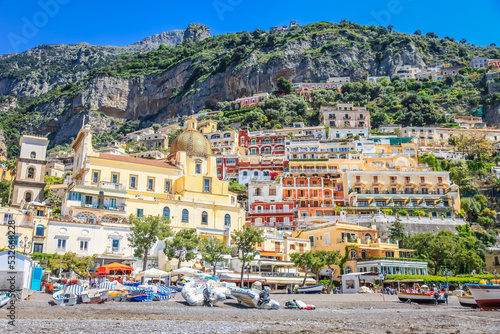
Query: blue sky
(124,22)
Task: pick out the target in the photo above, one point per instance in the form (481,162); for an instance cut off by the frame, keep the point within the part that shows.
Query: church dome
(192,142)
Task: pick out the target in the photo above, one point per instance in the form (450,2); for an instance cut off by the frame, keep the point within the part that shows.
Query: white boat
(202,293)
(4,299)
(65,298)
(311,289)
(487,297)
(427,298)
(94,296)
(467,301)
(251,298)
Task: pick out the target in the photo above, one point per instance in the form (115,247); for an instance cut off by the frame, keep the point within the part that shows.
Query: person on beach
(446,295)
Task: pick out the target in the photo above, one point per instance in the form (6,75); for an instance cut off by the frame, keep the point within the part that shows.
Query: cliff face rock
(492,114)
(3,147)
(196,32)
(168,38)
(38,70)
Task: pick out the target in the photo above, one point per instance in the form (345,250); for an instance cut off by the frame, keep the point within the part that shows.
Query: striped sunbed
(165,290)
(149,295)
(136,290)
(160,296)
(107,286)
(76,289)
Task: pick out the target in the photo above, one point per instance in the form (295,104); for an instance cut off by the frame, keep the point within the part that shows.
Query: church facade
(107,188)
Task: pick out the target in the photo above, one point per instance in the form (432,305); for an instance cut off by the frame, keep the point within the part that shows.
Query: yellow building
(204,127)
(185,188)
(492,260)
(30,228)
(367,251)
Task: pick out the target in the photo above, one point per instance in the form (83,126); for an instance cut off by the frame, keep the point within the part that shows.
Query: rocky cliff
(44,67)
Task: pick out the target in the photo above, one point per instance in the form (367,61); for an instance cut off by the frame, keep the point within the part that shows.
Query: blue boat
(311,289)
(137,297)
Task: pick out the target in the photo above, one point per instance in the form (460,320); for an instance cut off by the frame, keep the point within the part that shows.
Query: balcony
(103,207)
(115,250)
(269,211)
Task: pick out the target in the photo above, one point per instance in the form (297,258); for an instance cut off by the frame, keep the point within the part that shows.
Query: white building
(107,240)
(479,62)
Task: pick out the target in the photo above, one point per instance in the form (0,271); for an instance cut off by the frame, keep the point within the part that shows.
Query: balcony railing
(103,207)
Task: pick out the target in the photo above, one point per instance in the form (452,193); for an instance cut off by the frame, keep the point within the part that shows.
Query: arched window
(245,173)
(40,230)
(31,173)
(166,212)
(266,173)
(255,173)
(354,254)
(27,197)
(364,254)
(227,220)
(185,216)
(347,270)
(33,155)
(204,218)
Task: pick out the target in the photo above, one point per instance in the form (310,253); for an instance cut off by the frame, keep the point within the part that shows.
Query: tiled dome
(192,142)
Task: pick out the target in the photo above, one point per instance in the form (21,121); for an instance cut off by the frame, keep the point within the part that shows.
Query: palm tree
(12,168)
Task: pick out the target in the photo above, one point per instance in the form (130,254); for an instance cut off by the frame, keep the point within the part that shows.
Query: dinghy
(252,297)
(202,293)
(94,296)
(62,298)
(467,301)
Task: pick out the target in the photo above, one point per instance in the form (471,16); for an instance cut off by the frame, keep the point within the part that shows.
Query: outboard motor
(207,296)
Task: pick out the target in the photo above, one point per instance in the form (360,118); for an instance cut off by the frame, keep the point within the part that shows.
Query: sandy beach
(358,313)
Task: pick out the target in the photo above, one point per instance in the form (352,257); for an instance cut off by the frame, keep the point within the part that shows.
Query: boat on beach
(425,298)
(311,289)
(487,296)
(250,298)
(94,296)
(4,299)
(65,298)
(467,301)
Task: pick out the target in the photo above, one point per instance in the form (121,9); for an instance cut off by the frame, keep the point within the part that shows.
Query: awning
(114,267)
(289,280)
(267,253)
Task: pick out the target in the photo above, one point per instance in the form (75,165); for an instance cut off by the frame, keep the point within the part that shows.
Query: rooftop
(150,162)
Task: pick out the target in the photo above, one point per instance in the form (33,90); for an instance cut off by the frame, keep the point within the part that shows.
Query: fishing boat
(467,301)
(426,298)
(487,296)
(65,298)
(94,296)
(4,299)
(251,297)
(311,289)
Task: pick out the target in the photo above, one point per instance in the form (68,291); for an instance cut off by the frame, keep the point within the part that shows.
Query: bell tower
(30,175)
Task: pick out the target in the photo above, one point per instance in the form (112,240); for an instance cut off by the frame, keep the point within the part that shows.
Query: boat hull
(419,298)
(467,301)
(4,299)
(487,297)
(94,296)
(310,289)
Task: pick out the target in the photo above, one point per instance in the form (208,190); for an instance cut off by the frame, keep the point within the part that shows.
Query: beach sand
(356,313)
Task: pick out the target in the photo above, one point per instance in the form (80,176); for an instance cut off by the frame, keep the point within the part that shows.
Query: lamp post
(25,244)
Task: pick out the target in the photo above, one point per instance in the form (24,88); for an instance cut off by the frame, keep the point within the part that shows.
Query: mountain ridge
(158,85)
